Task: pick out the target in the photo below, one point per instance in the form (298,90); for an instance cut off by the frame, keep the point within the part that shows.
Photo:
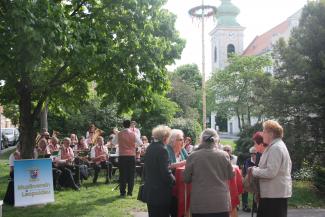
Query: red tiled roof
(263,43)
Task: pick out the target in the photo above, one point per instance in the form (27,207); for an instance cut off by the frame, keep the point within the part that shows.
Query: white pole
(203,72)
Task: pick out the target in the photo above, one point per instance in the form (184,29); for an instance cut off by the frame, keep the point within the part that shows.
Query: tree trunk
(44,123)
(242,120)
(249,116)
(26,125)
(238,117)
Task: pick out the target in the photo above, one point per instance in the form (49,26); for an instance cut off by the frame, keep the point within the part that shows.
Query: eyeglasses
(182,139)
(227,150)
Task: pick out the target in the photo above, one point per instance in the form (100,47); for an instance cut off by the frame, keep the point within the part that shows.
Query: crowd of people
(209,167)
(211,170)
(75,159)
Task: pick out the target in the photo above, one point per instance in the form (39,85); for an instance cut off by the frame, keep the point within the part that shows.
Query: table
(182,192)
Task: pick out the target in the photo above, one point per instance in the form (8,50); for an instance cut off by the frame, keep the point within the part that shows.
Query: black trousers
(158,211)
(244,199)
(76,171)
(66,179)
(220,214)
(103,165)
(10,193)
(173,207)
(270,207)
(127,172)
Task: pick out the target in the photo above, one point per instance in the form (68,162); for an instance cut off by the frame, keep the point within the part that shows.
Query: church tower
(227,36)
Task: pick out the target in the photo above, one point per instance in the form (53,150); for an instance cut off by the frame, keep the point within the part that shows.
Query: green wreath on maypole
(208,11)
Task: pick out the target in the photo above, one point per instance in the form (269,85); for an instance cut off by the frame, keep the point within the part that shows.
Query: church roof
(227,13)
(263,43)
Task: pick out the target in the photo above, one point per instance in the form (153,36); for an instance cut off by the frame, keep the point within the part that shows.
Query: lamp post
(201,12)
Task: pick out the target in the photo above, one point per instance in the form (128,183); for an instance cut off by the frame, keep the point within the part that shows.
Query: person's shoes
(122,195)
(107,181)
(76,188)
(130,194)
(247,209)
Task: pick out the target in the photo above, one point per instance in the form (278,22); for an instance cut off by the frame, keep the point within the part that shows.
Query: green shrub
(190,127)
(245,142)
(319,178)
(305,173)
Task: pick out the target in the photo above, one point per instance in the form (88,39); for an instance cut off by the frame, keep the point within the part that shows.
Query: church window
(215,54)
(230,49)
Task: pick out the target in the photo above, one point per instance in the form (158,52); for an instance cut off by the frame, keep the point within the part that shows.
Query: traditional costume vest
(126,142)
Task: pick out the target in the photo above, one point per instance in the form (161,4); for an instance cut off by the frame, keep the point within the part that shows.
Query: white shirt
(11,160)
(138,141)
(93,152)
(233,159)
(274,171)
(136,131)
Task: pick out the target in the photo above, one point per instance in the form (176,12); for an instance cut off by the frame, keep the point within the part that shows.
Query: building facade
(228,37)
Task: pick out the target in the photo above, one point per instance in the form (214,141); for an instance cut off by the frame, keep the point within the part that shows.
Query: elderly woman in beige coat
(274,173)
(209,169)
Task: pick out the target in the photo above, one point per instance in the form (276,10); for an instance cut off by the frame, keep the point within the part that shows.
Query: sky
(257,16)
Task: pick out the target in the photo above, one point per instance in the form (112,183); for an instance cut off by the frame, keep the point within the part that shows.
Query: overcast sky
(257,16)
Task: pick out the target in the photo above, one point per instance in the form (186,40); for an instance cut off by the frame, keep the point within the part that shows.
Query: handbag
(251,184)
(141,193)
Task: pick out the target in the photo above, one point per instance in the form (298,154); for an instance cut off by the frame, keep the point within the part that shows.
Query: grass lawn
(305,195)
(92,200)
(228,142)
(99,200)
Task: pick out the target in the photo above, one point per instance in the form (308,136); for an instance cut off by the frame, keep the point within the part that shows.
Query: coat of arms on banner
(34,174)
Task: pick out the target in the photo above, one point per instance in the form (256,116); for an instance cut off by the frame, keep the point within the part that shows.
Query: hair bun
(210,139)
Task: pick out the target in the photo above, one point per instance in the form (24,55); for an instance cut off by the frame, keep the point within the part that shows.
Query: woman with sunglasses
(177,158)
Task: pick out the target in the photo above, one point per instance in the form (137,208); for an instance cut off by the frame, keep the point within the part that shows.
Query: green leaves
(240,88)
(52,49)
(297,96)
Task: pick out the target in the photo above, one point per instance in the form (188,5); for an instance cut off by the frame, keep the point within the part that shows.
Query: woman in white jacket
(274,173)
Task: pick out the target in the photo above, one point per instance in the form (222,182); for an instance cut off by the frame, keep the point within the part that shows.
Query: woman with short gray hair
(176,152)
(209,169)
(177,156)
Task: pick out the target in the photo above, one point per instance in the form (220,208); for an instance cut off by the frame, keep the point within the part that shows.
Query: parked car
(12,134)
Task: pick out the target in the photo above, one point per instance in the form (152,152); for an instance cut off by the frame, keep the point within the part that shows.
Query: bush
(245,142)
(319,179)
(190,127)
(305,173)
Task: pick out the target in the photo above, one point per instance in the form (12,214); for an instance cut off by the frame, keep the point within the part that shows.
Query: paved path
(228,136)
(291,213)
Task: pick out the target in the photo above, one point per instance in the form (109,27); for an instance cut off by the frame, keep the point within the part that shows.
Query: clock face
(231,34)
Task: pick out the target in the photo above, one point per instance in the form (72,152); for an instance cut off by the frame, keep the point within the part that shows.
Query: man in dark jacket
(158,177)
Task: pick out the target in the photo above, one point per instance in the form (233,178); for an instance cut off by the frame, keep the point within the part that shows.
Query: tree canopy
(185,90)
(298,93)
(239,88)
(53,49)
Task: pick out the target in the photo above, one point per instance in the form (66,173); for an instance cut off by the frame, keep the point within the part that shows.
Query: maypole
(202,12)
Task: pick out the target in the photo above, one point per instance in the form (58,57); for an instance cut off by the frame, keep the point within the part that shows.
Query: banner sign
(33,181)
